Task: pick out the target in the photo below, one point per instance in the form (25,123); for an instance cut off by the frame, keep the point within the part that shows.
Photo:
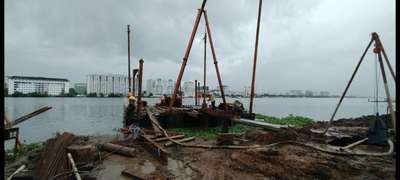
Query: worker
(131,100)
(130,111)
(212,99)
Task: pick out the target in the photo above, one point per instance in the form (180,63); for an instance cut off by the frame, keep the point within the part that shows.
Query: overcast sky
(308,45)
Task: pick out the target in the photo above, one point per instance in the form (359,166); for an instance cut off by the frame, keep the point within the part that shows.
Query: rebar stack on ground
(54,157)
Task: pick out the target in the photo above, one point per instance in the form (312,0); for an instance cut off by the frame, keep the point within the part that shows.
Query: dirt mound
(295,162)
(362,121)
(267,137)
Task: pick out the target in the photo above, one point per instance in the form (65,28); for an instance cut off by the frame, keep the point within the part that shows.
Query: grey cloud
(303,44)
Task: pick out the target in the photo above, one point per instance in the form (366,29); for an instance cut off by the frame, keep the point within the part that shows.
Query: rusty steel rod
(205,69)
(378,41)
(253,79)
(139,102)
(195,92)
(134,72)
(129,60)
(351,79)
(185,58)
(389,99)
(221,87)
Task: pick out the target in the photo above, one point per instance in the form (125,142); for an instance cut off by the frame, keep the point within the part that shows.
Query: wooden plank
(182,140)
(151,116)
(172,137)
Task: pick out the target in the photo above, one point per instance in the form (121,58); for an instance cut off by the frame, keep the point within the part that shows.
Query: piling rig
(378,50)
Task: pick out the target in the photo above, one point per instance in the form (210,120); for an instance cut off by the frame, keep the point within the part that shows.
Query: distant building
(296,93)
(170,87)
(247,91)
(80,88)
(160,86)
(188,88)
(41,85)
(217,91)
(150,86)
(324,93)
(308,93)
(107,84)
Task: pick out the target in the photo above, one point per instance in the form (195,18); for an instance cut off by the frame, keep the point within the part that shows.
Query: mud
(284,161)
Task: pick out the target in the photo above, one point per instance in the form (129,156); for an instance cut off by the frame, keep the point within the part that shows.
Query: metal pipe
(185,58)
(389,99)
(135,71)
(378,40)
(204,70)
(198,86)
(129,60)
(195,92)
(215,59)
(351,79)
(140,85)
(253,79)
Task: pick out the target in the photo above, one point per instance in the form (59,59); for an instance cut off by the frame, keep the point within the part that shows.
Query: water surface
(84,116)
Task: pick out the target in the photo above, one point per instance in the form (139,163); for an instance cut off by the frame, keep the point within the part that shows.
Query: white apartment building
(107,84)
(188,88)
(42,85)
(160,86)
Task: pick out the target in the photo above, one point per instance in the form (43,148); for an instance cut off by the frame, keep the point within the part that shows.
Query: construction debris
(71,160)
(54,156)
(16,172)
(114,148)
(181,141)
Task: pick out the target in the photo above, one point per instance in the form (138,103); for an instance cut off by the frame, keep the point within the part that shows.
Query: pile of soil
(362,121)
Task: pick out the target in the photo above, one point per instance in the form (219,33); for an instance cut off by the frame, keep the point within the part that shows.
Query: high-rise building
(170,86)
(308,93)
(188,88)
(160,86)
(107,84)
(324,93)
(150,86)
(247,91)
(80,88)
(297,92)
(41,85)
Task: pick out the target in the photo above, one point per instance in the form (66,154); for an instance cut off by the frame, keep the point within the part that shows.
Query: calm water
(86,116)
